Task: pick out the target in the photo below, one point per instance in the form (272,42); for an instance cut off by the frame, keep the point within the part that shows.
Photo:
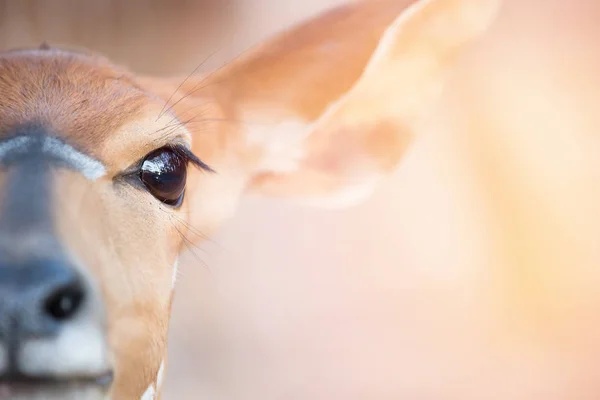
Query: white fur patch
(3,358)
(149,394)
(282,143)
(160,376)
(175,272)
(79,349)
(89,167)
(155,387)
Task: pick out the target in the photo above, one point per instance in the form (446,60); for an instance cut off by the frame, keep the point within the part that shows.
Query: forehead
(76,96)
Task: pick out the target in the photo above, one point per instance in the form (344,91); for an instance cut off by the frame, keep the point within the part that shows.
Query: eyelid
(178,147)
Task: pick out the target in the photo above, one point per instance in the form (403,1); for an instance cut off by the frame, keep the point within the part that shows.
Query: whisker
(187,244)
(199,86)
(190,227)
(185,80)
(197,232)
(175,119)
(192,121)
(196,88)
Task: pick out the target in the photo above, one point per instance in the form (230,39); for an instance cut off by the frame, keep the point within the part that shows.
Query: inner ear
(363,133)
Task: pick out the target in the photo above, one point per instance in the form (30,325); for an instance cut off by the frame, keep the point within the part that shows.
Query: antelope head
(104,175)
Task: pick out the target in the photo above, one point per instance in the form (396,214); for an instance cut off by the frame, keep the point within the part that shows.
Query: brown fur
(79,96)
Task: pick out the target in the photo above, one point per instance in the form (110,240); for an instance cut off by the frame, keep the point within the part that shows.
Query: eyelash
(188,156)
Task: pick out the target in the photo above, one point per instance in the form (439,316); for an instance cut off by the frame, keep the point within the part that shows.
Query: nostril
(63,303)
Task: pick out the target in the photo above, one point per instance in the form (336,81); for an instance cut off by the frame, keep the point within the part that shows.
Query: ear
(328,107)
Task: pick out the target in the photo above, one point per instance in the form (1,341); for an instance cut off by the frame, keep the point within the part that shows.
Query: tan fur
(336,92)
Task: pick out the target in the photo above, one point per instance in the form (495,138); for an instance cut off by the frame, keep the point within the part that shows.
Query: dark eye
(164,173)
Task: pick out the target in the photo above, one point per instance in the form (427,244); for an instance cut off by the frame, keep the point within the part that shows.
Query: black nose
(37,297)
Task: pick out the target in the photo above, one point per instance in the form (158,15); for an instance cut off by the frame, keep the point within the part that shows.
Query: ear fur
(328,107)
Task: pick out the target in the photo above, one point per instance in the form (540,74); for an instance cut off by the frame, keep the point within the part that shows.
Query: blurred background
(472,273)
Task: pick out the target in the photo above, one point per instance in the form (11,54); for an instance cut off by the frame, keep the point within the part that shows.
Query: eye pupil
(164,173)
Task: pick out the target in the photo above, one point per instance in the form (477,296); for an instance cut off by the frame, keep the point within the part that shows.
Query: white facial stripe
(13,144)
(89,167)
